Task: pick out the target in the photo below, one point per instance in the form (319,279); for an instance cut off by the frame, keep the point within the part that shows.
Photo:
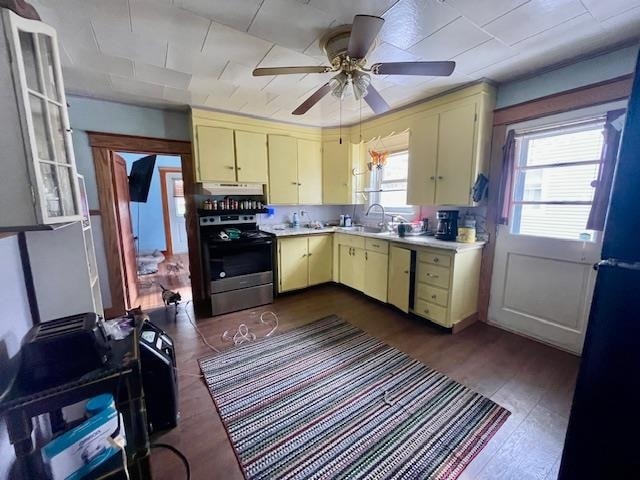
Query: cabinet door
(375,275)
(347,276)
(216,154)
(456,155)
(359,268)
(283,170)
(399,278)
(251,157)
(309,172)
(336,175)
(292,260)
(39,86)
(423,153)
(320,259)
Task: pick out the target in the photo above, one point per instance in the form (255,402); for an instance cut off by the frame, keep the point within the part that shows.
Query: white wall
(15,321)
(90,115)
(586,72)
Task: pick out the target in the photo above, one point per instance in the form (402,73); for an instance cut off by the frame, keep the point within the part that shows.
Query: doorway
(131,231)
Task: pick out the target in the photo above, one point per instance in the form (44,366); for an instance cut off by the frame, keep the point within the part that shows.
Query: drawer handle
(375,245)
(366,257)
(432,275)
(436,259)
(433,296)
(426,310)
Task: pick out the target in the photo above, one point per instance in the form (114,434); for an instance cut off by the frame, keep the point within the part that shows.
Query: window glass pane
(66,190)
(51,197)
(59,133)
(573,183)
(580,146)
(558,221)
(178,188)
(391,181)
(396,167)
(40,128)
(393,199)
(46,54)
(29,59)
(180,206)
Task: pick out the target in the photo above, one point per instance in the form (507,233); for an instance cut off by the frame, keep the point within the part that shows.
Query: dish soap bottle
(296,222)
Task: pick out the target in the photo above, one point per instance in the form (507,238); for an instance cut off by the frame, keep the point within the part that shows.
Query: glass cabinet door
(38,69)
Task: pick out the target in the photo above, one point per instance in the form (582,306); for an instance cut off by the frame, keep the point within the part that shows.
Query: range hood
(233,188)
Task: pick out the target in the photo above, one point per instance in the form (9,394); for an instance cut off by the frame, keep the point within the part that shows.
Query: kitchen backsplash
(306,213)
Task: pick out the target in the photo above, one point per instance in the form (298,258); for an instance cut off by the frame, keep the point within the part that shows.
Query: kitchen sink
(367,229)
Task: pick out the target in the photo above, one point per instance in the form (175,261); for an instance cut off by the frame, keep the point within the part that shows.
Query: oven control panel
(226,219)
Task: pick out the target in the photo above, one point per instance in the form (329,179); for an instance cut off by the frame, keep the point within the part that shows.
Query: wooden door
(376,275)
(456,156)
(251,157)
(336,174)
(283,170)
(216,154)
(309,172)
(293,262)
(399,278)
(125,231)
(320,259)
(423,154)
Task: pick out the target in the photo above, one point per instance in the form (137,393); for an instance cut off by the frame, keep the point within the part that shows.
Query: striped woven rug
(327,400)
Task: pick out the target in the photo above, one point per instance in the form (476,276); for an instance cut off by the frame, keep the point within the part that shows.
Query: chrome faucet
(381,224)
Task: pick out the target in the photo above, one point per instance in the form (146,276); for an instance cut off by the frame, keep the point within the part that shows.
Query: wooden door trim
(102,144)
(165,205)
(618,88)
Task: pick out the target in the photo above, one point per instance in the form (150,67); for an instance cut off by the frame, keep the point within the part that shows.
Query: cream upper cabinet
(320,254)
(375,274)
(283,170)
(399,277)
(293,271)
(423,155)
(39,178)
(455,172)
(251,157)
(216,154)
(336,175)
(309,172)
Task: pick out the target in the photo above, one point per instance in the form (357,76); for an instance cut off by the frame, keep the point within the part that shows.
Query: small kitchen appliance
(447,225)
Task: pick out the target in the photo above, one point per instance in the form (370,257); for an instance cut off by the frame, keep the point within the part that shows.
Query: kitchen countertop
(418,241)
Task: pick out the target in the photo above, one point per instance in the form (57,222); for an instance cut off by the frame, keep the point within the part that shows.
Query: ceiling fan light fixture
(361,82)
(338,85)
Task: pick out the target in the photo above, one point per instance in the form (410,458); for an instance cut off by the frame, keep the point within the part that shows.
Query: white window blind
(554,174)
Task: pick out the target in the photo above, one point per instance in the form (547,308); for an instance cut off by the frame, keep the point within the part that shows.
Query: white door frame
(167,207)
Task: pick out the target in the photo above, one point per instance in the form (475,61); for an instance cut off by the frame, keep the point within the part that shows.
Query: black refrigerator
(603,437)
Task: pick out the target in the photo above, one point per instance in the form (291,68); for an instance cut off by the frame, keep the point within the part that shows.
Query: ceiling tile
(532,18)
(95,61)
(408,22)
(624,26)
(385,52)
(162,76)
(136,87)
(72,26)
(283,85)
(241,75)
(235,14)
(211,86)
(457,37)
(183,97)
(285,57)
(239,47)
(482,12)
(289,23)
(343,12)
(603,10)
(85,82)
(485,54)
(118,41)
(148,18)
(194,62)
(231,104)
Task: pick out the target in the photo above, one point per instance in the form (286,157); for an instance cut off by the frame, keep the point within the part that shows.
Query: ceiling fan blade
(433,69)
(375,101)
(259,72)
(312,100)
(364,30)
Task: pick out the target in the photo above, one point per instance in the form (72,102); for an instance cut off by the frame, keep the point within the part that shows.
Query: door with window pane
(543,278)
(34,46)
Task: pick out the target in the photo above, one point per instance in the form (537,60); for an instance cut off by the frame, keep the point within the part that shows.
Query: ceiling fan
(347,47)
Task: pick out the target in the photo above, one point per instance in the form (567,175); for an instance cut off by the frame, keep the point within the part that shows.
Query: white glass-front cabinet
(39,186)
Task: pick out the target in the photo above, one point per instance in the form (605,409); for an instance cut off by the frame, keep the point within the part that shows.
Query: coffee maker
(447,225)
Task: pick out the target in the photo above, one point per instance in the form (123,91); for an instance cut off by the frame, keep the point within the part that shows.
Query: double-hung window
(389,184)
(555,173)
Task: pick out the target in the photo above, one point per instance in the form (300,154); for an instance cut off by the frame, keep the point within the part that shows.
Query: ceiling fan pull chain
(340,120)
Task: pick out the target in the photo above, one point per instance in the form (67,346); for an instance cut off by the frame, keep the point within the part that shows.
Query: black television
(140,178)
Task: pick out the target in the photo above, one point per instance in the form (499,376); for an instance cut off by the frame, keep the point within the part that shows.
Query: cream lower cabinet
(363,265)
(446,287)
(304,261)
(399,278)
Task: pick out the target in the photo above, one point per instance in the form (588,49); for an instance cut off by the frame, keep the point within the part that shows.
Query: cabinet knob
(238,168)
(432,178)
(436,259)
(299,184)
(230,167)
(440,177)
(304,254)
(407,272)
(433,296)
(426,310)
(294,183)
(309,254)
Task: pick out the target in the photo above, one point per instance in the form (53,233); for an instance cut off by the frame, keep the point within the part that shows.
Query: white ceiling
(202,52)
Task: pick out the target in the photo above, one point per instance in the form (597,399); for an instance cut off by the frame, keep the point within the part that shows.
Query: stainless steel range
(238,262)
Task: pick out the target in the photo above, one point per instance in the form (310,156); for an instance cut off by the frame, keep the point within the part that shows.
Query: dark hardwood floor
(534,381)
(173,273)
